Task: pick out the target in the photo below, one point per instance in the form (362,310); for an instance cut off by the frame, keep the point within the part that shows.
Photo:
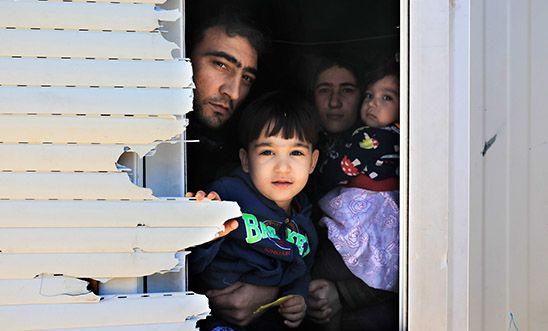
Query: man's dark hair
(234,25)
(325,63)
(279,112)
(389,67)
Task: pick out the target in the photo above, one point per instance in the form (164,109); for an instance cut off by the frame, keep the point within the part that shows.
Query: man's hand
(229,225)
(323,300)
(293,311)
(236,303)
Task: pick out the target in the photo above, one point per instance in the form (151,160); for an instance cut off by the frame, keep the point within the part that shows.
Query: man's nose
(231,88)
(335,100)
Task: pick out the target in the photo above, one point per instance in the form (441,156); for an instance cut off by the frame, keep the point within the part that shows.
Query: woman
(338,300)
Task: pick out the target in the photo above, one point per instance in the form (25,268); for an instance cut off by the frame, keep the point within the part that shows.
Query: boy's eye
(266,152)
(296,153)
(387,98)
(368,95)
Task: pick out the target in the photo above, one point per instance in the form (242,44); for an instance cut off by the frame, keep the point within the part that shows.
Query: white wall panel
(122,101)
(88,129)
(111,311)
(156,213)
(428,194)
(535,240)
(68,186)
(102,240)
(85,265)
(85,44)
(45,289)
(82,15)
(76,72)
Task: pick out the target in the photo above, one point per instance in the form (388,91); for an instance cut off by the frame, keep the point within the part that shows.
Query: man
(224,55)
(224,59)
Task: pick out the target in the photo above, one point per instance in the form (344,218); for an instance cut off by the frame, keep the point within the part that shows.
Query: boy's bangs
(287,128)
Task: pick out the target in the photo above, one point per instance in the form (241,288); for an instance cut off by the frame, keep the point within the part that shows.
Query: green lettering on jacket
(257,231)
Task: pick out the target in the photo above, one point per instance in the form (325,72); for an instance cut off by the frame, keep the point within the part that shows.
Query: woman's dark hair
(325,63)
(389,67)
(279,112)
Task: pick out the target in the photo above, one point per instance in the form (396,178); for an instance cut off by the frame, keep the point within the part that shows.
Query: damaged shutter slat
(45,289)
(63,186)
(102,240)
(88,130)
(85,265)
(85,44)
(62,157)
(170,213)
(112,311)
(76,15)
(95,73)
(119,101)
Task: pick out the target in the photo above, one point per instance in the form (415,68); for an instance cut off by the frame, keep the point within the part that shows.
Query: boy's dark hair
(234,25)
(279,112)
(389,67)
(325,63)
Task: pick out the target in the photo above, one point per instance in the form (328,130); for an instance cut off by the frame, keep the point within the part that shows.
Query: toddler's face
(278,167)
(381,103)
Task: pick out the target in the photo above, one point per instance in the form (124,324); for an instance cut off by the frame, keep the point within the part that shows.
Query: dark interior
(364,32)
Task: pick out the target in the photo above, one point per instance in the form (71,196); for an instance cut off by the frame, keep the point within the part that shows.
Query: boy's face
(337,97)
(381,103)
(278,167)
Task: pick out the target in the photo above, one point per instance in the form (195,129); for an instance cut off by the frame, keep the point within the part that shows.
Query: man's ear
(315,155)
(244,160)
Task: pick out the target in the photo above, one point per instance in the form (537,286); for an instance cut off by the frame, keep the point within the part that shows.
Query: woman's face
(337,97)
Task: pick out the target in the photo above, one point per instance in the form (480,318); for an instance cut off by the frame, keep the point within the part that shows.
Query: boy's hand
(229,225)
(201,195)
(324,301)
(293,310)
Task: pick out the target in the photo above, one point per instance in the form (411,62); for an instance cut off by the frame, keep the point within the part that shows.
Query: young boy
(275,240)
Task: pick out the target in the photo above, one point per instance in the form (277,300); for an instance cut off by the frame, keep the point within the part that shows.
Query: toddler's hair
(389,67)
(279,112)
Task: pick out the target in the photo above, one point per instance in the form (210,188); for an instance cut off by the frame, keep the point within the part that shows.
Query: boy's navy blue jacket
(268,248)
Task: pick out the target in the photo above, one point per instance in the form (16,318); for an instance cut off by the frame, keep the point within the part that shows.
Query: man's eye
(267,152)
(220,64)
(248,79)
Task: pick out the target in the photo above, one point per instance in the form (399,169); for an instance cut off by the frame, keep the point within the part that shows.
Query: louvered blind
(82,83)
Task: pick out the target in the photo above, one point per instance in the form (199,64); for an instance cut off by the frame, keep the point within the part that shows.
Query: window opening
(363,32)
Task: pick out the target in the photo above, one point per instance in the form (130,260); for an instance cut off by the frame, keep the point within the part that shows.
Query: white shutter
(83,82)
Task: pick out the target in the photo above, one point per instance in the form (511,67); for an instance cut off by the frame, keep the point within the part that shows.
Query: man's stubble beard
(215,121)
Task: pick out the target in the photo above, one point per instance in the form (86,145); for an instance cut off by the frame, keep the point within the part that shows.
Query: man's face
(224,70)
(337,97)
(278,167)
(381,103)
